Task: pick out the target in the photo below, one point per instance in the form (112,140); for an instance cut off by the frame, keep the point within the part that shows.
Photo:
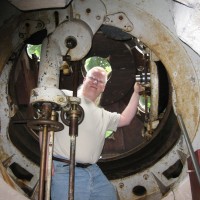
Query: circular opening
(139,190)
(95,61)
(126,151)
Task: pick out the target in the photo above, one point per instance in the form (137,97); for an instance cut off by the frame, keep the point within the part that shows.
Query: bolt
(145,176)
(107,19)
(77,16)
(121,17)
(70,42)
(121,185)
(129,28)
(61,99)
(39,25)
(98,17)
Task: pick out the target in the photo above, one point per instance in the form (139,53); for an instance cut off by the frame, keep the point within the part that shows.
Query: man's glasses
(94,80)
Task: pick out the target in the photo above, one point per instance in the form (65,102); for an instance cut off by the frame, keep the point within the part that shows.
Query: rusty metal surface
(169,51)
(154,92)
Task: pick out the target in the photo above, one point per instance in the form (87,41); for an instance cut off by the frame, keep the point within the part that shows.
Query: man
(90,182)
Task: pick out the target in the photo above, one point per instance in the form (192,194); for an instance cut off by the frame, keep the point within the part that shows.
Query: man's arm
(131,109)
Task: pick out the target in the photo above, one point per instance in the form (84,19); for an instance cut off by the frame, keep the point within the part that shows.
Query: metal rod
(72,167)
(49,166)
(190,148)
(49,159)
(73,132)
(43,164)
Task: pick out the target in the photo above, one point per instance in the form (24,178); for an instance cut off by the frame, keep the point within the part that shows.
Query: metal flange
(38,124)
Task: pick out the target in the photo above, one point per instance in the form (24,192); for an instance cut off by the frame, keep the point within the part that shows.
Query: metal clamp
(75,111)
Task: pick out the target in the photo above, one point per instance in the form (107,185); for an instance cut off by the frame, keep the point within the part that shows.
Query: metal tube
(49,159)
(49,166)
(190,148)
(73,132)
(43,164)
(49,70)
(72,167)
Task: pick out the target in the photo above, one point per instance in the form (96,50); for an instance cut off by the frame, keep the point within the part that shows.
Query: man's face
(94,83)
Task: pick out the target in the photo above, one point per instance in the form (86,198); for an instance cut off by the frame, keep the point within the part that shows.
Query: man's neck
(87,96)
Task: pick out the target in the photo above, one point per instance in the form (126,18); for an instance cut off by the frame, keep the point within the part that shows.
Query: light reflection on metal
(72,118)
(144,78)
(54,117)
(154,82)
(47,125)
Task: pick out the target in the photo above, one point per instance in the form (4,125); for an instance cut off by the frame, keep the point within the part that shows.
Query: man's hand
(138,88)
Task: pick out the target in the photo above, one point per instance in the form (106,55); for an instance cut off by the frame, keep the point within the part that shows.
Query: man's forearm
(130,110)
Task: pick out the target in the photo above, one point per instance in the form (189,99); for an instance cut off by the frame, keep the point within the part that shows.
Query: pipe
(72,167)
(43,164)
(73,132)
(49,159)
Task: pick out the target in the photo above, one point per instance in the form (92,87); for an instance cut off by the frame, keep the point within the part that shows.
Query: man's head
(100,72)
(94,83)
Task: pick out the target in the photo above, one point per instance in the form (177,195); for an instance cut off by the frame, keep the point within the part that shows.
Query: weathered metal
(150,22)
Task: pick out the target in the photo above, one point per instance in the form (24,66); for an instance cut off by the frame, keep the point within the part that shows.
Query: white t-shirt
(91,133)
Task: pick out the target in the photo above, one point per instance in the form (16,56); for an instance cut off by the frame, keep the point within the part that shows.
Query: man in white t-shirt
(90,182)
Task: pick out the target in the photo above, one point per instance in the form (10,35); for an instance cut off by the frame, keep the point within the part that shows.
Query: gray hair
(101,69)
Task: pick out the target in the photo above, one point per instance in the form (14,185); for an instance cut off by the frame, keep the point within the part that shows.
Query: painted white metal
(7,149)
(119,20)
(38,4)
(154,91)
(91,12)
(168,48)
(147,179)
(186,20)
(50,62)
(152,22)
(189,3)
(48,79)
(77,29)
(9,193)
(48,94)
(182,192)
(54,48)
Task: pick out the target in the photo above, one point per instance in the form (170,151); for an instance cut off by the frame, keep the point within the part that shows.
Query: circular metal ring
(38,124)
(65,115)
